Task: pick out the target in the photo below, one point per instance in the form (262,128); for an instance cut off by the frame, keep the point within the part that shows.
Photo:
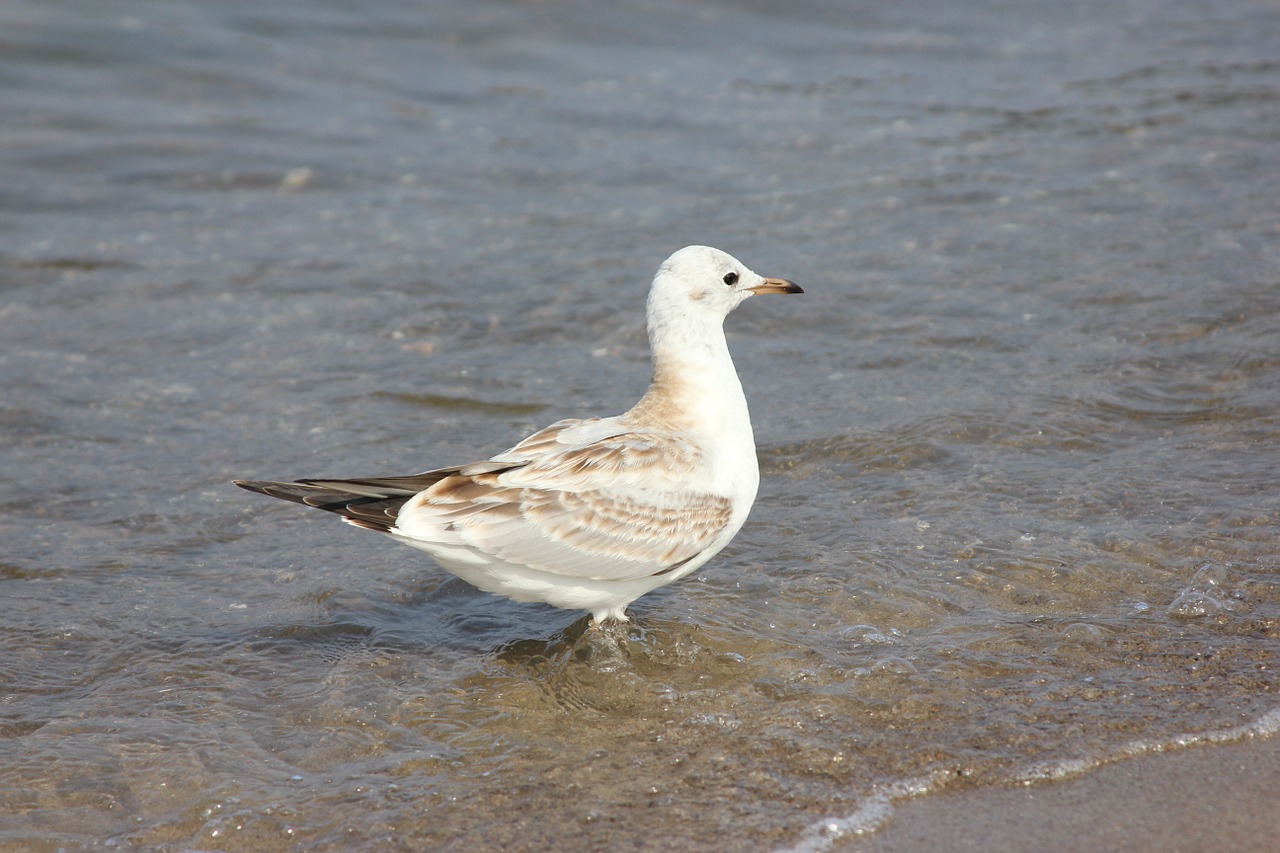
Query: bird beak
(776,285)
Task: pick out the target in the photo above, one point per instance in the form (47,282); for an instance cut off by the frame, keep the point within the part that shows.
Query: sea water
(1018,512)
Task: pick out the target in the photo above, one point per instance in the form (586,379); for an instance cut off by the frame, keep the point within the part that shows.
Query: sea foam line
(876,810)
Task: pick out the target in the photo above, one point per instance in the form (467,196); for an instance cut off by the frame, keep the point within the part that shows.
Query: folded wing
(627,505)
(588,499)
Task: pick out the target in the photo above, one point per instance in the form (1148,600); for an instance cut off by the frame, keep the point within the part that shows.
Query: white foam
(872,814)
(875,811)
(1265,726)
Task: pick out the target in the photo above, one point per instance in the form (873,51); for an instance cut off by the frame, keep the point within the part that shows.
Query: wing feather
(591,499)
(623,506)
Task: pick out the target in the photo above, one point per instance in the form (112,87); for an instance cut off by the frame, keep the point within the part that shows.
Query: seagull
(590,514)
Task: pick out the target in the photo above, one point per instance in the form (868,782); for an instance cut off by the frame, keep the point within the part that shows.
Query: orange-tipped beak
(776,285)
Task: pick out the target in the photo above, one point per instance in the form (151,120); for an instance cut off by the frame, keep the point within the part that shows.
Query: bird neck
(695,386)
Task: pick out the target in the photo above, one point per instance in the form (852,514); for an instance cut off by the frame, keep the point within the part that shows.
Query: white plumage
(592,514)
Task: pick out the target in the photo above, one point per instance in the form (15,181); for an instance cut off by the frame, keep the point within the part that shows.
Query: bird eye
(731,278)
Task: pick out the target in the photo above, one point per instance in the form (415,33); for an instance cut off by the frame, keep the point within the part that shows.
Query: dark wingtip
(275,489)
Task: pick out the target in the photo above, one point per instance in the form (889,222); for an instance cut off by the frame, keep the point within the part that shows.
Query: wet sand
(1214,798)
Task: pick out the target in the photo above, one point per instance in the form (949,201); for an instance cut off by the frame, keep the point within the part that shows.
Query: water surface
(1018,439)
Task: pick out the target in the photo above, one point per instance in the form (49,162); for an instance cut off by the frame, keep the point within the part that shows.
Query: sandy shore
(1224,799)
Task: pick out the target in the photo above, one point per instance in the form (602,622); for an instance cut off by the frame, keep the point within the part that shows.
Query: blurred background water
(1019,505)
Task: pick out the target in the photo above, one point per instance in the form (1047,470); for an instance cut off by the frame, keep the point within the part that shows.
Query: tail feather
(371,503)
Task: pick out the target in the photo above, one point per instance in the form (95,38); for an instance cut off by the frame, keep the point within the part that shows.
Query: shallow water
(1018,439)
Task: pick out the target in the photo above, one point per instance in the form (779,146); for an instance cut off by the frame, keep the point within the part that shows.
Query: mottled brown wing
(628,506)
